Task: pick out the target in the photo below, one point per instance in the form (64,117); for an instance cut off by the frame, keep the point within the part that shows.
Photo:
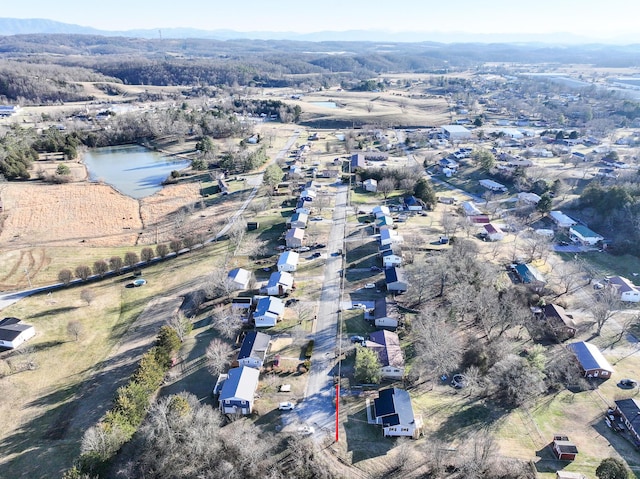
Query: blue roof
(590,356)
(529,273)
(254,342)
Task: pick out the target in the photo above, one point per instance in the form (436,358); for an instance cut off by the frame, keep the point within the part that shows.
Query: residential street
(318,407)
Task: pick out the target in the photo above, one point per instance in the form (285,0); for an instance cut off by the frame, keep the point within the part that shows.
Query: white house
(493,186)
(294,237)
(298,220)
(391,256)
(455,132)
(13,333)
(279,283)
(470,209)
(253,350)
(492,232)
(628,291)
(379,211)
(530,198)
(386,344)
(308,194)
(394,412)
(370,185)
(562,220)
(584,235)
(239,278)
(268,312)
(238,392)
(389,236)
(288,261)
(380,316)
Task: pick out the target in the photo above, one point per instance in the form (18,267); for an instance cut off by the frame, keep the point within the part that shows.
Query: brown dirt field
(66,214)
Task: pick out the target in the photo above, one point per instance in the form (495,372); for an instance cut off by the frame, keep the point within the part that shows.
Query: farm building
(253,350)
(564,449)
(13,332)
(562,220)
(591,360)
(584,235)
(386,344)
(394,412)
(628,291)
(288,261)
(238,392)
(455,132)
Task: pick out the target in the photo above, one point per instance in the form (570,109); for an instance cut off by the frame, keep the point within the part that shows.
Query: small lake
(324,104)
(131,169)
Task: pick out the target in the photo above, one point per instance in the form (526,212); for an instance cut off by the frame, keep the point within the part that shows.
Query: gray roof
(590,357)
(255,345)
(630,408)
(392,275)
(394,405)
(241,384)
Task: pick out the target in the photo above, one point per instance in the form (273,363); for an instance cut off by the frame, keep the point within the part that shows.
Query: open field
(40,406)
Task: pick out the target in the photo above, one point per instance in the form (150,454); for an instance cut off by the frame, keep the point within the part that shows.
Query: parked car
(320,246)
(286,406)
(357,339)
(369,286)
(306,430)
(598,286)
(303,249)
(358,306)
(291,301)
(316,255)
(627,383)
(317,218)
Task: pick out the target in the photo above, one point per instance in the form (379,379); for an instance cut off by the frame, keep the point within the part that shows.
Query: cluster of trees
(129,408)
(243,160)
(471,297)
(615,209)
(281,110)
(410,180)
(115,264)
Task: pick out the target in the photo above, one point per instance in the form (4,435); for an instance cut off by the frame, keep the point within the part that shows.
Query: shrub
(309,351)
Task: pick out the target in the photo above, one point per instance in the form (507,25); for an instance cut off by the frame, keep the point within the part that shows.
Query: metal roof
(241,384)
(590,356)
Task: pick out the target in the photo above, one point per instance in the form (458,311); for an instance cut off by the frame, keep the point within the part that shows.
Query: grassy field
(37,404)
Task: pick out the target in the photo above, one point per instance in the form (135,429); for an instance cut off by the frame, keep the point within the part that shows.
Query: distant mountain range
(18,26)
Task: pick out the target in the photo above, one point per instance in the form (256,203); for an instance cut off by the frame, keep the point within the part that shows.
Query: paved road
(318,410)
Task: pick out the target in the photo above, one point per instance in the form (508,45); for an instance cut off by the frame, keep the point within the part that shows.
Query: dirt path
(116,369)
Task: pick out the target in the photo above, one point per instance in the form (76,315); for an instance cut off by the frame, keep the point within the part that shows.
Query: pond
(131,169)
(324,104)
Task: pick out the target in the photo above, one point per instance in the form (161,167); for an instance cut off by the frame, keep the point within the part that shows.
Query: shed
(591,360)
(370,185)
(564,449)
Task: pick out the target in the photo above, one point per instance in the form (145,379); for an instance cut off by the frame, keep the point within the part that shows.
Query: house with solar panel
(394,412)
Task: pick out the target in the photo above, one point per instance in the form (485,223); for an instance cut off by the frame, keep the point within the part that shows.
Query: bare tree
(218,353)
(386,186)
(226,321)
(568,276)
(604,304)
(115,263)
(181,325)
(146,254)
(131,259)
(218,284)
(100,267)
(303,310)
(449,223)
(74,329)
(83,272)
(87,295)
(65,276)
(175,245)
(237,231)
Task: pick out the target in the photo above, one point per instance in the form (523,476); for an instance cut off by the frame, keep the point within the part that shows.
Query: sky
(597,19)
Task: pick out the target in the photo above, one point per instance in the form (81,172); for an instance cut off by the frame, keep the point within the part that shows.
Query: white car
(306,430)
(359,306)
(286,406)
(369,286)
